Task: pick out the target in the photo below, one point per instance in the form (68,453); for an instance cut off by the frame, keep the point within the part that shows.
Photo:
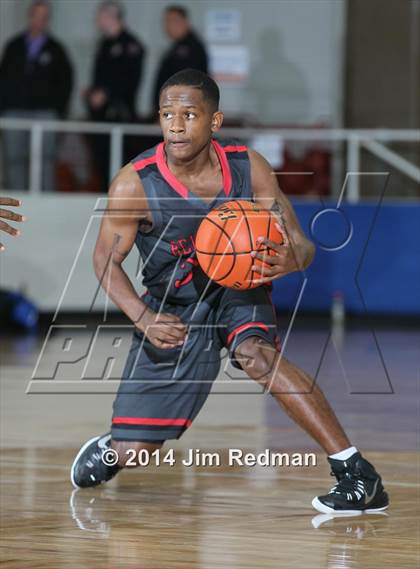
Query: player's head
(39,17)
(176,22)
(110,18)
(189,112)
(198,80)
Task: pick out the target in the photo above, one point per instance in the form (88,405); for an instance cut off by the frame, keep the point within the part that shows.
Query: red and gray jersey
(170,267)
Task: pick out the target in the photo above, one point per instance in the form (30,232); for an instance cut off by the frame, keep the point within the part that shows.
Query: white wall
(52,259)
(296,51)
(12,14)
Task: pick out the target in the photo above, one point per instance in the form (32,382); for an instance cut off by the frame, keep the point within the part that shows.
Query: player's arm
(126,208)
(297,252)
(10,216)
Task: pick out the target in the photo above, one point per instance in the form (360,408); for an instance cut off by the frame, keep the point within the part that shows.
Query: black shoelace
(349,485)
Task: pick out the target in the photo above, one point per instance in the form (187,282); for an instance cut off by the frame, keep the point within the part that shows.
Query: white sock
(344,454)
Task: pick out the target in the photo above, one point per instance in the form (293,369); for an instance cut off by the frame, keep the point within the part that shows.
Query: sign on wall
(223,25)
(229,63)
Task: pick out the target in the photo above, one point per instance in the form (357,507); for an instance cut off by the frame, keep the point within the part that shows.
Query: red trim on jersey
(170,178)
(233,148)
(240,329)
(140,164)
(227,177)
(151,421)
(178,186)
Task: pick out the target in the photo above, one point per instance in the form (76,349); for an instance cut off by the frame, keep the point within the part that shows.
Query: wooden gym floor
(215,517)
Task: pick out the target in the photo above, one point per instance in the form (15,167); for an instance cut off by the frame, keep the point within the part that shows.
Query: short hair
(180,10)
(115,8)
(40,3)
(198,80)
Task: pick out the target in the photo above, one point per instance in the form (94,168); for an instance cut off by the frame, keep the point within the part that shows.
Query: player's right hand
(163,330)
(10,216)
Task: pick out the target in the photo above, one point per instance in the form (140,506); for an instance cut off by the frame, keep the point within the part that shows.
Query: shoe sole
(320,519)
(81,451)
(327,510)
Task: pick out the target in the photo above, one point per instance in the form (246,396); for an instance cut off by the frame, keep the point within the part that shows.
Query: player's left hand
(275,266)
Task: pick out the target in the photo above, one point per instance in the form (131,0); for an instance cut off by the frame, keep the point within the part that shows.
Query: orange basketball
(226,237)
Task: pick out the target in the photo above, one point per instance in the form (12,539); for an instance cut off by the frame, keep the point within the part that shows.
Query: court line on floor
(225,475)
(299,478)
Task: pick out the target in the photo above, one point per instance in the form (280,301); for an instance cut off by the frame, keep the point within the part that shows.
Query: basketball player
(9,215)
(184,320)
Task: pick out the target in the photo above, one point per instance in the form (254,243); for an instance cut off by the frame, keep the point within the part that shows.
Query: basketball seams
(221,233)
(231,228)
(251,243)
(221,229)
(231,243)
(250,234)
(238,253)
(234,254)
(268,233)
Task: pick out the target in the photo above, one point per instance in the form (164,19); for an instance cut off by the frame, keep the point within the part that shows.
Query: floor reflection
(351,539)
(200,529)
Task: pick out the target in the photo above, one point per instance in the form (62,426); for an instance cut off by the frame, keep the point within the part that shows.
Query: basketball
(226,237)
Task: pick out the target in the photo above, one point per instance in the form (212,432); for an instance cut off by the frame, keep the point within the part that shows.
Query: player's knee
(128,451)
(257,358)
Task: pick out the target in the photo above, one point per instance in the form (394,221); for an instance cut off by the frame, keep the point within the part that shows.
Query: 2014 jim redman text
(196,457)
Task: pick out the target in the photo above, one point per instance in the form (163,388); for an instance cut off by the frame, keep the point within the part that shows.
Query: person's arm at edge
(10,216)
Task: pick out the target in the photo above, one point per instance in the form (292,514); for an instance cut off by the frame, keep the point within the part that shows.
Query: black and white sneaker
(358,489)
(89,468)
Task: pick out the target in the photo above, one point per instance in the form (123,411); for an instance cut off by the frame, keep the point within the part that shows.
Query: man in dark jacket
(186,51)
(116,78)
(36,82)
(117,68)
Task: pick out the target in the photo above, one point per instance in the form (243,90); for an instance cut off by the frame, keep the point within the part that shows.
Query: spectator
(116,78)
(186,51)
(36,78)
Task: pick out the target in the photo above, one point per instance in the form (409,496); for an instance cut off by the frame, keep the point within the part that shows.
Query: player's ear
(216,121)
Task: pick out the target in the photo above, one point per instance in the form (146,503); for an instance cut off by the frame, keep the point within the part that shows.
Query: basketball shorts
(162,390)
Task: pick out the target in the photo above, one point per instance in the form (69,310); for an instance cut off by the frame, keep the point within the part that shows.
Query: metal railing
(370,139)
